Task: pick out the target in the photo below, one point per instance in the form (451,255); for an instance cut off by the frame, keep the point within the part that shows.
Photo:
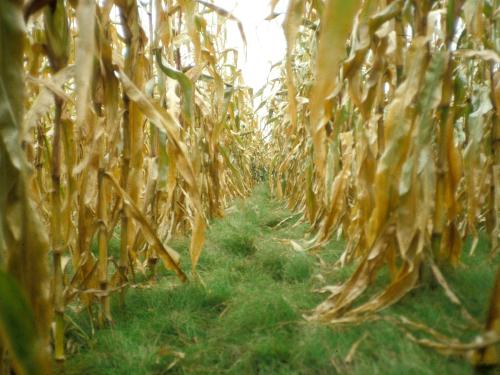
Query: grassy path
(247,319)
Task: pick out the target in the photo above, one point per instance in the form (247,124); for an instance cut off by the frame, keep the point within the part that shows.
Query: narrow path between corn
(246,317)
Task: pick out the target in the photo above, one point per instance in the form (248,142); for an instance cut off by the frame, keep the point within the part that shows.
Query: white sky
(266,43)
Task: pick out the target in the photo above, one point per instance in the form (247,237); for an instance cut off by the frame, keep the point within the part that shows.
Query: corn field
(131,120)
(391,111)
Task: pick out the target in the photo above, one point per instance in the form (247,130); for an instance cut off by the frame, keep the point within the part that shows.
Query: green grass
(246,317)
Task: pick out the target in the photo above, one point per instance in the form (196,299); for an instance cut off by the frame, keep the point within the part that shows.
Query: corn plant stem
(57,242)
(125,168)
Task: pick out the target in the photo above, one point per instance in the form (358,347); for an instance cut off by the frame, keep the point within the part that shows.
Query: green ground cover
(246,314)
